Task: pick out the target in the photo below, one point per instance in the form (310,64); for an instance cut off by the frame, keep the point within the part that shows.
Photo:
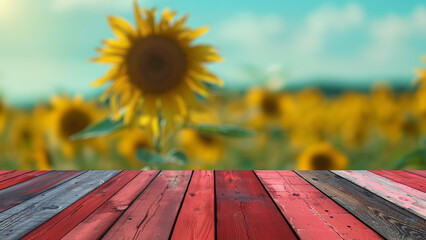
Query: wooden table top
(212,204)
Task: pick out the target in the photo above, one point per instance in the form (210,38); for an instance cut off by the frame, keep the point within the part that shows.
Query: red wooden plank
(245,210)
(21,178)
(11,174)
(5,171)
(98,222)
(311,214)
(196,217)
(21,192)
(153,213)
(418,172)
(406,178)
(62,223)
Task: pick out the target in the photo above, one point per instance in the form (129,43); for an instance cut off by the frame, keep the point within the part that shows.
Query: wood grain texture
(418,172)
(11,174)
(18,221)
(404,177)
(21,192)
(244,209)
(63,222)
(98,222)
(5,171)
(387,219)
(406,197)
(21,178)
(196,218)
(311,214)
(153,213)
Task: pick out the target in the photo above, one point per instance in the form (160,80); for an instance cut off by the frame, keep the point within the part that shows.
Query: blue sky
(45,44)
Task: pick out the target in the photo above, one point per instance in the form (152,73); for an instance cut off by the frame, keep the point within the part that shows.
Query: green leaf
(177,156)
(405,159)
(99,129)
(225,130)
(146,156)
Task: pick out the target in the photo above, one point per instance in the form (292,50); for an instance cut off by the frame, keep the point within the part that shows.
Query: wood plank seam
(130,205)
(278,209)
(381,214)
(181,203)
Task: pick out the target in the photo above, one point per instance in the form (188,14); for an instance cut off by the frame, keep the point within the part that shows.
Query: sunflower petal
(121,28)
(206,76)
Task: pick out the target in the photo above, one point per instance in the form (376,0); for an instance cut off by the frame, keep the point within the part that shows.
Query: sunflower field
(163,108)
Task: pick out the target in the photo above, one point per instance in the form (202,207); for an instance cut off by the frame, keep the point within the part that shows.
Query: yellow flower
(421,93)
(2,116)
(156,70)
(321,156)
(131,141)
(265,107)
(70,116)
(202,149)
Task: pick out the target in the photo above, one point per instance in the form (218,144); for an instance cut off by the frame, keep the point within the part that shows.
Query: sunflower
(130,142)
(266,107)
(421,93)
(70,116)
(156,70)
(2,116)
(203,150)
(321,156)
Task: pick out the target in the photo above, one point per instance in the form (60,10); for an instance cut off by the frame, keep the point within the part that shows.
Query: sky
(45,44)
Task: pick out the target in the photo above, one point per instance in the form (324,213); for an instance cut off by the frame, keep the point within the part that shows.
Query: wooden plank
(404,177)
(404,196)
(18,221)
(418,172)
(311,214)
(244,209)
(21,178)
(11,174)
(5,171)
(21,192)
(196,218)
(387,219)
(98,222)
(153,213)
(63,222)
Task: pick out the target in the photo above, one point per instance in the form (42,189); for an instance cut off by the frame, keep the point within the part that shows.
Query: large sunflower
(156,70)
(321,156)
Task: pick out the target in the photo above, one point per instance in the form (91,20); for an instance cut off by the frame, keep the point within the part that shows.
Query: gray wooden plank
(386,218)
(25,217)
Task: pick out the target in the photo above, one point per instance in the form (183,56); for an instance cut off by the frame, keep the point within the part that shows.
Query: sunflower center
(139,145)
(206,139)
(73,121)
(156,64)
(322,162)
(270,105)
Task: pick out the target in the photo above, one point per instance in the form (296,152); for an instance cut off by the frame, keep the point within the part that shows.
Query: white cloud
(250,30)
(65,5)
(368,47)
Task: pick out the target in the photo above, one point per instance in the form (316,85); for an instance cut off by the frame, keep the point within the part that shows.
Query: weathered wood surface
(311,213)
(65,221)
(409,198)
(106,215)
(386,218)
(212,205)
(153,213)
(196,219)
(21,192)
(244,209)
(23,218)
(404,177)
(20,178)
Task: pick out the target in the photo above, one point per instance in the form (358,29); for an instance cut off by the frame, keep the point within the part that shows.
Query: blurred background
(324,84)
